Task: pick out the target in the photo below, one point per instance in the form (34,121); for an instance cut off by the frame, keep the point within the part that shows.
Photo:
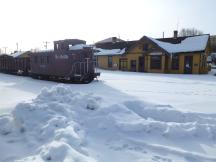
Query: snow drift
(61,125)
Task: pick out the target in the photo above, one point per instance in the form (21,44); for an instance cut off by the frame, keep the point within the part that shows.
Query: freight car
(7,64)
(22,62)
(16,63)
(70,61)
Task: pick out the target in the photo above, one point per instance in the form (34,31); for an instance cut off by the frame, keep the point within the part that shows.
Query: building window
(109,61)
(145,47)
(155,62)
(175,62)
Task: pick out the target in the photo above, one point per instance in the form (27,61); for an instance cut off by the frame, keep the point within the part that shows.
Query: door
(188,64)
(133,65)
(141,64)
(123,64)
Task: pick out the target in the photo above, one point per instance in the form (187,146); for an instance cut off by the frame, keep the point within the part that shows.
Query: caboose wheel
(87,79)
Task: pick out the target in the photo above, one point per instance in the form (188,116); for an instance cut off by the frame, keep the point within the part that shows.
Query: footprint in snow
(160,159)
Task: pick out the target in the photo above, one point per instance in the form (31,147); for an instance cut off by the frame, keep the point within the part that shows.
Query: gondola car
(7,64)
(70,61)
(15,63)
(22,62)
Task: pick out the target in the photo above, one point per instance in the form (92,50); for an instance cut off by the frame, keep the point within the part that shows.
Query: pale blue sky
(30,22)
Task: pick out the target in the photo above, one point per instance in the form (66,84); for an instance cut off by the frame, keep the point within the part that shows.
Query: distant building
(110,40)
(183,55)
(108,53)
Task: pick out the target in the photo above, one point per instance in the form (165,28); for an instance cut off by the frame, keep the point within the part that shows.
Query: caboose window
(42,59)
(47,59)
(36,59)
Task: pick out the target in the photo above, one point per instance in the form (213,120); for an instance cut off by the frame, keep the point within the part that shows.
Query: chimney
(114,39)
(175,33)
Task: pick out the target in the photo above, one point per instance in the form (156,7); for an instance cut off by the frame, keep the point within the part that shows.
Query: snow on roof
(190,44)
(78,46)
(105,52)
(18,53)
(4,54)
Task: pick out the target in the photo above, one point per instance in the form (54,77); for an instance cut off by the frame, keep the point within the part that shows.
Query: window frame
(156,64)
(110,61)
(35,59)
(175,62)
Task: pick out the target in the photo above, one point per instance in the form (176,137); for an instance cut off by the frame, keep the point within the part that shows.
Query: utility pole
(118,35)
(5,49)
(17,46)
(45,44)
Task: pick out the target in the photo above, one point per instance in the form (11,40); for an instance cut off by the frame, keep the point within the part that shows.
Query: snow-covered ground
(15,89)
(122,117)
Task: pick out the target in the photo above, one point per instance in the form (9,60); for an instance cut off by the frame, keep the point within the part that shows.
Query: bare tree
(213,44)
(189,32)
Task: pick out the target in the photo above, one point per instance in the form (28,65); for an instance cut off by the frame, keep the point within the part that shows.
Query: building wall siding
(102,62)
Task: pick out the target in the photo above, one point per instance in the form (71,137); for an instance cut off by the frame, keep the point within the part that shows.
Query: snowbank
(61,125)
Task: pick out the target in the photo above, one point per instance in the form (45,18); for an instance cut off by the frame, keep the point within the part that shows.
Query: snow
(190,44)
(14,89)
(74,47)
(125,116)
(110,40)
(17,54)
(105,52)
(78,46)
(43,50)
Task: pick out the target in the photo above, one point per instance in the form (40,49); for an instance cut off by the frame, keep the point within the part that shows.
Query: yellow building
(109,52)
(182,55)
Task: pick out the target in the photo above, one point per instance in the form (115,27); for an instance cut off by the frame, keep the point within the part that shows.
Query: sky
(30,23)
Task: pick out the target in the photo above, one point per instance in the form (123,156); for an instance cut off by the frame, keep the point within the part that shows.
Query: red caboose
(71,60)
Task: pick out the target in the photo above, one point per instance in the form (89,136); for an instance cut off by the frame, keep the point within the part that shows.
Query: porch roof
(110,52)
